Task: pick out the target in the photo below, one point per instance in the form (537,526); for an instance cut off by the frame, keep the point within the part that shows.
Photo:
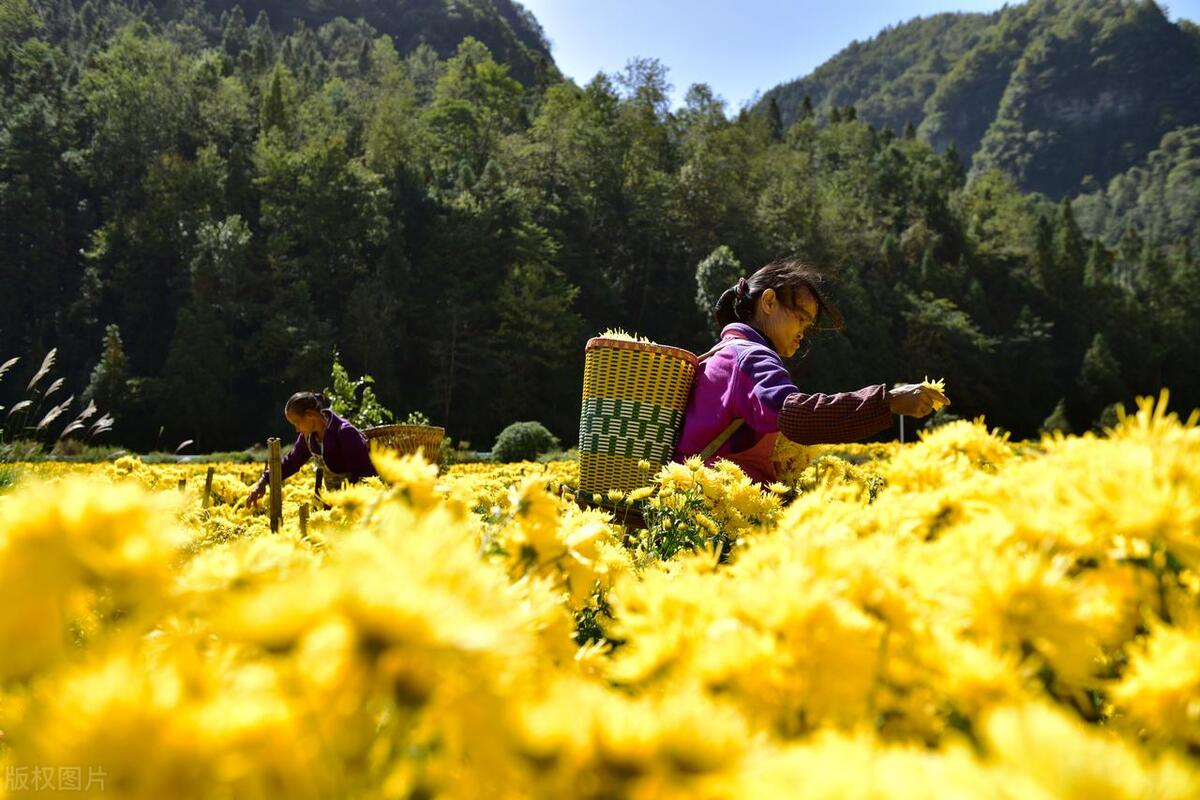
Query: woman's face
(784,326)
(307,423)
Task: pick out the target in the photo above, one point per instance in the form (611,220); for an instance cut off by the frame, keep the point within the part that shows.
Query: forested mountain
(887,79)
(1160,197)
(197,212)
(509,31)
(1054,92)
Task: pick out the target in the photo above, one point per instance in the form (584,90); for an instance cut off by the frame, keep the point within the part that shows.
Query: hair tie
(743,289)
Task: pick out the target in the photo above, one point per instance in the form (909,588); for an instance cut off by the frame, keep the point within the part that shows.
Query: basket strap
(724,435)
(721,439)
(721,345)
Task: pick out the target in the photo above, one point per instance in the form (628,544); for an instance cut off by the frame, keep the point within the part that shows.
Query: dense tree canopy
(201,209)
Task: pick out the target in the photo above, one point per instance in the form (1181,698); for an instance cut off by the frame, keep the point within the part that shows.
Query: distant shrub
(714,275)
(523,441)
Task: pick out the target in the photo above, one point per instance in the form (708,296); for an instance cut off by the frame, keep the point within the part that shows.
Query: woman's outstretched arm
(835,418)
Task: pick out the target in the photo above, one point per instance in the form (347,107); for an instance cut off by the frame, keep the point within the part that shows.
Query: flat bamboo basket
(634,398)
(408,439)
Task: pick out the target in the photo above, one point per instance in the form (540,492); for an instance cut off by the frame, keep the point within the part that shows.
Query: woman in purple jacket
(336,445)
(763,320)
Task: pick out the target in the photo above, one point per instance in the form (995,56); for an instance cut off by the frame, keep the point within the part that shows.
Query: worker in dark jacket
(336,445)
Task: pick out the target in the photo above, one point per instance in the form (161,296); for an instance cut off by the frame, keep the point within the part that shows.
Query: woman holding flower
(744,393)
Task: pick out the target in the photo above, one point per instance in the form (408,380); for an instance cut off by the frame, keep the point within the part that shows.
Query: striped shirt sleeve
(835,418)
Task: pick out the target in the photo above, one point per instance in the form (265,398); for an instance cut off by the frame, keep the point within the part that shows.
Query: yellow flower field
(960,617)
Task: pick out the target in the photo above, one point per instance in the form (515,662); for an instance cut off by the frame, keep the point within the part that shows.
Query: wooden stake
(182,484)
(276,470)
(208,487)
(304,521)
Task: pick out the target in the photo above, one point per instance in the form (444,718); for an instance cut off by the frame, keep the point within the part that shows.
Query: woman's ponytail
(725,312)
(735,304)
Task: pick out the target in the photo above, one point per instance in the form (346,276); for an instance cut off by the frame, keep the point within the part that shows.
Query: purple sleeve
(760,388)
(292,462)
(355,451)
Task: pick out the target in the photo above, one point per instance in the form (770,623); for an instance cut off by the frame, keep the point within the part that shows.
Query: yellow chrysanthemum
(926,619)
(938,385)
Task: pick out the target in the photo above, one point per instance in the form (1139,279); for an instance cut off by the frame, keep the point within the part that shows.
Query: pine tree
(893,258)
(108,385)
(1099,265)
(260,55)
(491,181)
(262,42)
(275,112)
(1043,254)
(775,120)
(1153,278)
(928,269)
(262,26)
(1099,379)
(88,16)
(1070,253)
(364,57)
(1129,254)
(954,164)
(465,179)
(234,36)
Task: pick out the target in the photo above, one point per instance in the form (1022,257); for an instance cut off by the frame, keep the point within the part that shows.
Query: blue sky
(738,47)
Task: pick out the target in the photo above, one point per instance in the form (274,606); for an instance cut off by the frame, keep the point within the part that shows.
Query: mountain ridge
(1053,91)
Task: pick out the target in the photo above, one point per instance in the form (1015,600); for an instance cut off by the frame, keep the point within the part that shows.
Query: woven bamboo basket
(634,398)
(408,439)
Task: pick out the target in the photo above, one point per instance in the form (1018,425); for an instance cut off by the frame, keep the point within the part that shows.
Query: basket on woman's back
(634,398)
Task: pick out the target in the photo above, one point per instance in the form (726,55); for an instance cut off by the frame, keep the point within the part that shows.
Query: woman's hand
(256,494)
(915,400)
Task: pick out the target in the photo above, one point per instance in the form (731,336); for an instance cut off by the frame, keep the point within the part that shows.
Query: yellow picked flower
(938,385)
